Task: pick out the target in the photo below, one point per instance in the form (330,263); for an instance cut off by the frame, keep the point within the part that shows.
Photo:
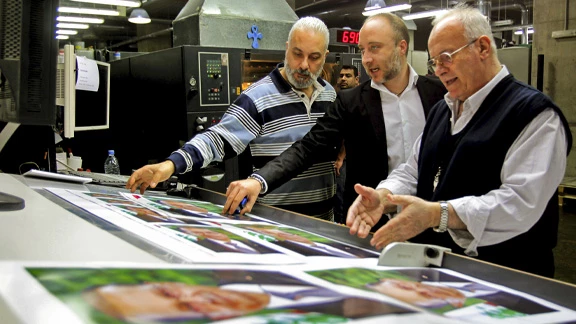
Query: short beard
(394,66)
(300,84)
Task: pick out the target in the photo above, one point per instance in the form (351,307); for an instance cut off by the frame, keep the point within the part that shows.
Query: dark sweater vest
(471,163)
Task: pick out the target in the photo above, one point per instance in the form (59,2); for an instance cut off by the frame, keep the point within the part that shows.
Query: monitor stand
(9,202)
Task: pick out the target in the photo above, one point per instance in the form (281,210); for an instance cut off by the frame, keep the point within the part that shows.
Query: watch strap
(443,226)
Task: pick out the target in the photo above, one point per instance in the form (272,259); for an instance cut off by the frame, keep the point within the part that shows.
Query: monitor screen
(92,106)
(85,109)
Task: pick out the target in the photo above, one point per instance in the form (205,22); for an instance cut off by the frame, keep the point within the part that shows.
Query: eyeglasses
(445,59)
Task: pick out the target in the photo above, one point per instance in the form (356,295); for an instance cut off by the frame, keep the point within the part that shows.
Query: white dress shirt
(533,168)
(403,118)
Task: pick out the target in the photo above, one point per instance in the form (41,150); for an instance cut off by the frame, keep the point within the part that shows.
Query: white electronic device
(56,176)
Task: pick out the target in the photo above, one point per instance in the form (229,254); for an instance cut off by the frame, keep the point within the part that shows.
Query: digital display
(347,36)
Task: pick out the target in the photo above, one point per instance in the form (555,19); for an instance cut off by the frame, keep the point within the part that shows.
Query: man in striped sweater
(269,116)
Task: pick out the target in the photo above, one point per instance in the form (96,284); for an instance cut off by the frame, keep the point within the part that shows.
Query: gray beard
(300,84)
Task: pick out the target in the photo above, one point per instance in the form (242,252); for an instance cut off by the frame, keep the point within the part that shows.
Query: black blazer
(355,117)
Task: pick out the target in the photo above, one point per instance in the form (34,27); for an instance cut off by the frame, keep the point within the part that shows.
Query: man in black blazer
(395,97)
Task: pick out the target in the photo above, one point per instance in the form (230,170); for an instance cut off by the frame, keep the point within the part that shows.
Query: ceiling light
(88,11)
(506,22)
(80,19)
(124,3)
(139,16)
(519,32)
(372,12)
(72,26)
(62,37)
(424,14)
(66,32)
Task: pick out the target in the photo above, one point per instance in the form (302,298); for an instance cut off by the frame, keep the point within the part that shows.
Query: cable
(34,163)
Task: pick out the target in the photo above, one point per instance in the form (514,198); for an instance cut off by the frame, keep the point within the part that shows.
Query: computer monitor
(85,109)
(28,53)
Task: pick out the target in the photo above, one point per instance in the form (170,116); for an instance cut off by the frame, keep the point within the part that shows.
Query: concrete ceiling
(335,13)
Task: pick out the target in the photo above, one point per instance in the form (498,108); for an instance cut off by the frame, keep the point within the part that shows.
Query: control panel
(200,121)
(214,79)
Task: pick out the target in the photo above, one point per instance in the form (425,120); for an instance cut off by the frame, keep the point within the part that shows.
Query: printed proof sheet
(310,293)
(197,231)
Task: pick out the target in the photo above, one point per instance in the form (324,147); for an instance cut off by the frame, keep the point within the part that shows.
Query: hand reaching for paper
(150,175)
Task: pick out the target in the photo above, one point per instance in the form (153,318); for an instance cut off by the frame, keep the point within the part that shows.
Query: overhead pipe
(514,27)
(141,38)
(485,7)
(524,17)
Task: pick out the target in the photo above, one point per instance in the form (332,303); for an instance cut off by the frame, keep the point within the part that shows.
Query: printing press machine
(51,229)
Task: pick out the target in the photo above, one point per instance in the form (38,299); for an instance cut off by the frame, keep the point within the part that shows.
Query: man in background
(348,78)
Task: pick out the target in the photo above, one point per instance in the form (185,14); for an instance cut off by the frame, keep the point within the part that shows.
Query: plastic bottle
(111,165)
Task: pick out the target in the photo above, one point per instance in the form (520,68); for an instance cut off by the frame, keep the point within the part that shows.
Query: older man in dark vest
(485,171)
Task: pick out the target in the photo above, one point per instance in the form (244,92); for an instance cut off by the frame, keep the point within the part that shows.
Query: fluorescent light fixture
(424,14)
(519,32)
(506,22)
(139,16)
(124,3)
(88,11)
(62,37)
(80,19)
(373,12)
(66,32)
(72,26)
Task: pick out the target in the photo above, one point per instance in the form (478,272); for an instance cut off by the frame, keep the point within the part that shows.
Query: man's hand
(238,190)
(417,215)
(150,175)
(366,210)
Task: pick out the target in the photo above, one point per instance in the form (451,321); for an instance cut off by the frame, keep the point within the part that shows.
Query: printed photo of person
(195,208)
(151,216)
(306,243)
(219,240)
(438,292)
(102,195)
(419,294)
(108,295)
(173,301)
(181,207)
(117,200)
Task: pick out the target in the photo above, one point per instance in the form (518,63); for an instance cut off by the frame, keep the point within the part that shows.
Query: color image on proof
(108,198)
(218,239)
(151,216)
(305,243)
(438,292)
(189,207)
(201,296)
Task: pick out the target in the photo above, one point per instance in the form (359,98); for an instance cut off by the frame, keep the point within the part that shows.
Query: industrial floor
(565,251)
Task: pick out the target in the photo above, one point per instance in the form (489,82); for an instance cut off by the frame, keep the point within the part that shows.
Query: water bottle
(111,165)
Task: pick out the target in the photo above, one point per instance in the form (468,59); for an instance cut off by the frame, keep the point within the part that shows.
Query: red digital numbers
(347,36)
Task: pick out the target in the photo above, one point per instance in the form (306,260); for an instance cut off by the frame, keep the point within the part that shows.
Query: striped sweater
(269,117)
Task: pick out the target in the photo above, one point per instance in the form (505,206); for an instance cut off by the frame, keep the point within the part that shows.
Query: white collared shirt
(404,119)
(533,168)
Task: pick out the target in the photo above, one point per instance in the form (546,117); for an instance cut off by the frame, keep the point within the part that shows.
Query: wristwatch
(443,218)
(263,185)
